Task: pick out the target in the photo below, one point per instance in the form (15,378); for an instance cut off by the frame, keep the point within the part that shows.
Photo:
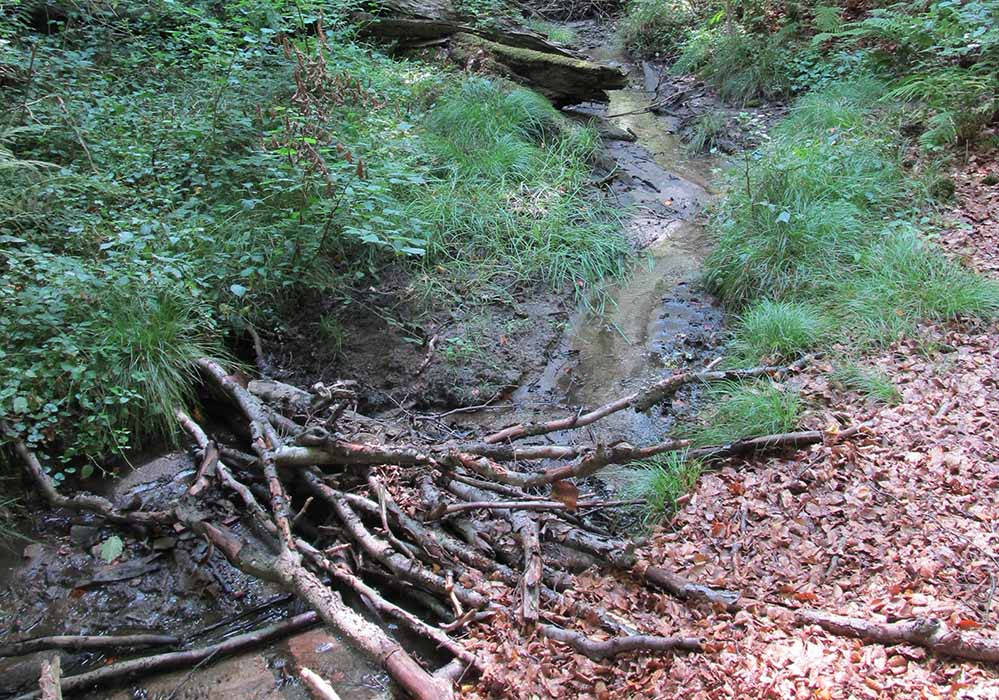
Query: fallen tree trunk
(87,643)
(416,22)
(562,79)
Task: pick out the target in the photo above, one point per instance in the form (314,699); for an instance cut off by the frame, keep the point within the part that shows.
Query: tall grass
(656,27)
(660,482)
(739,410)
(822,232)
(510,191)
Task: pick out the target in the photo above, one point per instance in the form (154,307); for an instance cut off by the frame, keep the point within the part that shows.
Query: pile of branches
(441,525)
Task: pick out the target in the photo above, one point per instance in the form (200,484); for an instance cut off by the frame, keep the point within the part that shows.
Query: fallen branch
(600,650)
(316,685)
(452,508)
(640,401)
(146,665)
(49,680)
(87,643)
(929,633)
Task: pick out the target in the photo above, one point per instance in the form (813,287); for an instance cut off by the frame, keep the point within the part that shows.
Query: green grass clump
(656,28)
(739,410)
(904,279)
(508,193)
(822,232)
(873,383)
(661,481)
(555,32)
(705,131)
(741,65)
(778,330)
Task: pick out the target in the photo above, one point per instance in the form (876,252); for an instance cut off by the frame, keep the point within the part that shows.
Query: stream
(654,320)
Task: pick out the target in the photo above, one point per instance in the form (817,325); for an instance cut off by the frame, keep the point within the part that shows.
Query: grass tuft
(661,481)
(738,410)
(778,330)
(873,383)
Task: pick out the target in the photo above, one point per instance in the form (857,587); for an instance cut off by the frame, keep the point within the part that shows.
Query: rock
(161,544)
(84,536)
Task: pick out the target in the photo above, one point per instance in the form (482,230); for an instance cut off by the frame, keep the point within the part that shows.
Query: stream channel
(654,320)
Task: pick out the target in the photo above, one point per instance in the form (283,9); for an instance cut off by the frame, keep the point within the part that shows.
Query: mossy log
(412,22)
(561,79)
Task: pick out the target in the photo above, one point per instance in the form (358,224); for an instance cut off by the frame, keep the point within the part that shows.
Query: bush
(742,66)
(656,28)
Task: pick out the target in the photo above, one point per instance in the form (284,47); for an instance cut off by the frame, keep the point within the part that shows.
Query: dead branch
(87,643)
(929,633)
(49,680)
(526,528)
(452,508)
(316,685)
(84,501)
(771,443)
(134,668)
(600,650)
(641,400)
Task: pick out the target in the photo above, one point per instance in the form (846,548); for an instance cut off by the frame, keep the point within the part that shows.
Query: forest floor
(900,523)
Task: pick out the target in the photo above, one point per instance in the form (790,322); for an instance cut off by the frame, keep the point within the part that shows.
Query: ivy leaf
(111,548)
(238,289)
(20,405)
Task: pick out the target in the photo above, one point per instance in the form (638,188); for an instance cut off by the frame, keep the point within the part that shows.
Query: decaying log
(88,643)
(416,22)
(562,79)
(526,529)
(604,649)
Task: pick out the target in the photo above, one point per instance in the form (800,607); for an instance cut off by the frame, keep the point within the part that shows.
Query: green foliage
(656,28)
(874,383)
(555,32)
(174,171)
(778,330)
(825,218)
(943,56)
(739,410)
(740,64)
(661,481)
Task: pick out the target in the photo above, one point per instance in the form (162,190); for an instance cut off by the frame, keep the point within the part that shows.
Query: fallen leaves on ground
(897,523)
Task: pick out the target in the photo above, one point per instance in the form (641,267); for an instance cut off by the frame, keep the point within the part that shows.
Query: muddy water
(658,318)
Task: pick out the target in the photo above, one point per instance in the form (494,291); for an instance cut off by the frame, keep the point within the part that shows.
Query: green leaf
(20,405)
(238,289)
(111,548)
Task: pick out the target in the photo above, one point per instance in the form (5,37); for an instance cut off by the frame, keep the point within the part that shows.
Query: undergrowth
(171,173)
(825,229)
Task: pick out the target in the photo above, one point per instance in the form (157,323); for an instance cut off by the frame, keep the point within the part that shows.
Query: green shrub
(555,32)
(656,27)
(741,65)
(778,330)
